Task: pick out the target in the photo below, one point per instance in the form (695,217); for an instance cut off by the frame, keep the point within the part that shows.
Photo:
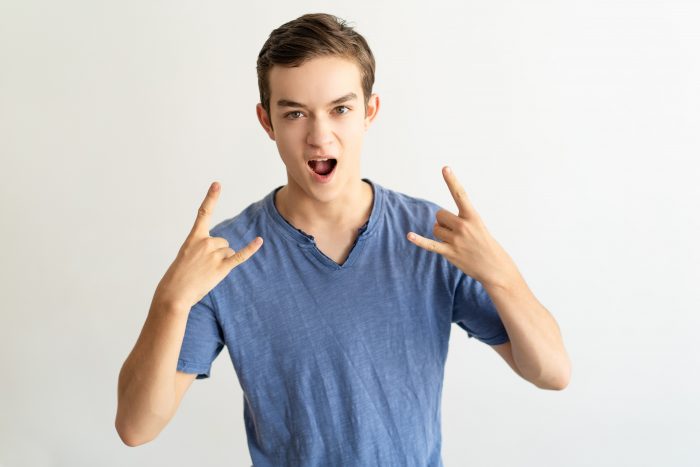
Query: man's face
(317,110)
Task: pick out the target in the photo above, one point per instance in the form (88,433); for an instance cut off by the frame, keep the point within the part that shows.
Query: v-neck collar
(308,243)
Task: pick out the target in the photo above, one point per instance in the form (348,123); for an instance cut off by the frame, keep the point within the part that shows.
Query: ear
(372,109)
(264,120)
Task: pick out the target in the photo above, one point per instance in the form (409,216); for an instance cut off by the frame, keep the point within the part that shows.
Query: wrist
(169,306)
(504,279)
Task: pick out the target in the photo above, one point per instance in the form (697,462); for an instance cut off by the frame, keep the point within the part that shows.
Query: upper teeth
(320,159)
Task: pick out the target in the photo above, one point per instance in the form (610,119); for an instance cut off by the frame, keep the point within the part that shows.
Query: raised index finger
(201,223)
(458,193)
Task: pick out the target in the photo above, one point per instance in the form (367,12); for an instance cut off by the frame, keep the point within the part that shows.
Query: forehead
(316,82)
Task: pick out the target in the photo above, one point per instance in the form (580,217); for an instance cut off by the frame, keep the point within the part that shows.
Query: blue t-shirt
(339,364)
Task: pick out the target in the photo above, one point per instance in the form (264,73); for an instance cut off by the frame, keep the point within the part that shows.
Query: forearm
(536,341)
(146,389)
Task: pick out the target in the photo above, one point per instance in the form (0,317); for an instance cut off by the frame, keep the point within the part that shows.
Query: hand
(465,241)
(202,261)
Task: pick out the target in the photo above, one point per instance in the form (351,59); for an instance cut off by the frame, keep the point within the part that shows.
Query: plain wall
(573,126)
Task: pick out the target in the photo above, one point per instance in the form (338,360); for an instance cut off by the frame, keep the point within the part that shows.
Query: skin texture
(536,350)
(332,212)
(203,261)
(149,391)
(321,128)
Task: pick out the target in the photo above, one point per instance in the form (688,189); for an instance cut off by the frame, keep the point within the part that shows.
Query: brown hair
(309,36)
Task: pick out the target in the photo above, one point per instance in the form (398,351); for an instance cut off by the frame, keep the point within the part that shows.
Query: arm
(536,350)
(150,389)
(506,352)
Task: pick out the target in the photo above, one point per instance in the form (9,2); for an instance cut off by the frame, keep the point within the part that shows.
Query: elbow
(137,426)
(558,381)
(553,385)
(129,442)
(126,439)
(127,436)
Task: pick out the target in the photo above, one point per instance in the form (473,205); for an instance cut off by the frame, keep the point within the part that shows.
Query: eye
(287,115)
(291,115)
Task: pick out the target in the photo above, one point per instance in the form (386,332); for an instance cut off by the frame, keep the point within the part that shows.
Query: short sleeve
(474,312)
(203,339)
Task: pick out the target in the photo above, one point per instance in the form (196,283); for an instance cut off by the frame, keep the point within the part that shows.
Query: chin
(325,193)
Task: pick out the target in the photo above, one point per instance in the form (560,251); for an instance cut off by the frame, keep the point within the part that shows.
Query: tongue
(322,167)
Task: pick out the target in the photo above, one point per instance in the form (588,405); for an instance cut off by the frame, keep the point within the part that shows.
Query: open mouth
(323,167)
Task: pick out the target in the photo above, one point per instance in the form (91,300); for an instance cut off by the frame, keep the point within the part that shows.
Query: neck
(350,209)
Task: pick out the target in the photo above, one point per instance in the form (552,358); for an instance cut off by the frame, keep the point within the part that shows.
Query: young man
(338,326)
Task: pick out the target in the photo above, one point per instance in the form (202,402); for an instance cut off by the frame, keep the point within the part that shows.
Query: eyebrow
(287,103)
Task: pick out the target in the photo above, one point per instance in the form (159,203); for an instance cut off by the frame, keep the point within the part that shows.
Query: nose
(320,133)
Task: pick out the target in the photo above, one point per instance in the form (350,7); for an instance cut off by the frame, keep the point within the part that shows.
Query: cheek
(352,132)
(354,144)
(287,141)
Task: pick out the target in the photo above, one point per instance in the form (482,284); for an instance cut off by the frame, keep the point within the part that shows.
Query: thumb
(241,256)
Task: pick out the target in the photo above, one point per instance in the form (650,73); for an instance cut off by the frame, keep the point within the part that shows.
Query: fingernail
(448,170)
(411,236)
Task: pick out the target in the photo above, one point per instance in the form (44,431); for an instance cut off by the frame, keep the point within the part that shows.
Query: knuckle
(186,248)
(234,255)
(443,216)
(239,257)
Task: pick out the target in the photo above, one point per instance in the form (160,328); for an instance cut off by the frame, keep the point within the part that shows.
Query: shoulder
(404,205)
(240,225)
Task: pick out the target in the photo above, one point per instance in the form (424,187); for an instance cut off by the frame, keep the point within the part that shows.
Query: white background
(572,125)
